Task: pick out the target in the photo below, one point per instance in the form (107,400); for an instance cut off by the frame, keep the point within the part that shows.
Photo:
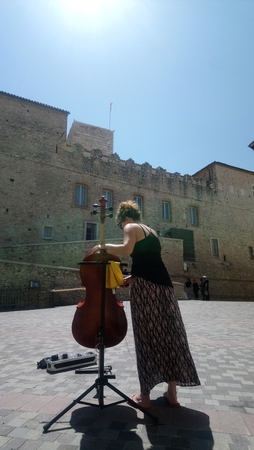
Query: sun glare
(89,11)
(88,7)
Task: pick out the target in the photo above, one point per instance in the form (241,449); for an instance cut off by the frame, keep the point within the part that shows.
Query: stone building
(50,181)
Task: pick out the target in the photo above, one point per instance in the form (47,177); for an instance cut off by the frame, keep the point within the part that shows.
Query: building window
(48,233)
(193,215)
(251,253)
(215,247)
(139,201)
(91,231)
(109,196)
(80,195)
(166,211)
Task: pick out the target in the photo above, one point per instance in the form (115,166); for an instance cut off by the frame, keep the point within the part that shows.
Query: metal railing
(12,298)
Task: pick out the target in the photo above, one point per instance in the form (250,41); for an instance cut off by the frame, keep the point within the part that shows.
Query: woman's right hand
(126,281)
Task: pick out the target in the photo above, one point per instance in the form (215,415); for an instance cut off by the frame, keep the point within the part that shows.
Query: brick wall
(39,172)
(31,129)
(89,138)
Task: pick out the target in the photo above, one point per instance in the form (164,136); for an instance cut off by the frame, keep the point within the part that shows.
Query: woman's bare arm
(129,240)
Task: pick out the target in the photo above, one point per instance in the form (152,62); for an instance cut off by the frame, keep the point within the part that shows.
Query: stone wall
(54,279)
(39,172)
(89,138)
(20,275)
(31,129)
(56,266)
(69,254)
(37,194)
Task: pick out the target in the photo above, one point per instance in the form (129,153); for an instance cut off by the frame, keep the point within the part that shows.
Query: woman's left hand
(126,281)
(95,248)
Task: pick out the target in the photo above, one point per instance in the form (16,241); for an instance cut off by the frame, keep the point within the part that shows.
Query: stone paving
(217,415)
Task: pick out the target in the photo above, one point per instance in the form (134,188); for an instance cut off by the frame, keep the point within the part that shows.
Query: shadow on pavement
(113,427)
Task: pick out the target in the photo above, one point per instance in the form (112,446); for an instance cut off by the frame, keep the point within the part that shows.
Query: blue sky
(179,73)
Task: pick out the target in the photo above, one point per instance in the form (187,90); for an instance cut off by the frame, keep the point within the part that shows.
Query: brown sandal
(134,399)
(172,405)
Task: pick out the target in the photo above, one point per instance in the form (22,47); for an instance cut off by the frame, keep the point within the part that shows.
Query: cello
(100,315)
(99,321)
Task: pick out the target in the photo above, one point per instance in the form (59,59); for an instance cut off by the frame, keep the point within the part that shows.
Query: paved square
(217,415)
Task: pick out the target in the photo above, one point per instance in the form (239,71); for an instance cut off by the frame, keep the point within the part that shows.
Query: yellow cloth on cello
(114,276)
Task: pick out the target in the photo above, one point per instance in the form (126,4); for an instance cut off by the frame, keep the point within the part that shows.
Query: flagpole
(110,108)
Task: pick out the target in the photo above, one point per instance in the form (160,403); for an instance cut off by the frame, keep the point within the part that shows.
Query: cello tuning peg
(94,212)
(110,216)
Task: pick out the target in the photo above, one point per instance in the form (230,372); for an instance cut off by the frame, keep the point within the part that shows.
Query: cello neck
(102,236)
(103,202)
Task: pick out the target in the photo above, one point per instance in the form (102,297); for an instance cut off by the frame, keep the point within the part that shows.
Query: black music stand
(103,378)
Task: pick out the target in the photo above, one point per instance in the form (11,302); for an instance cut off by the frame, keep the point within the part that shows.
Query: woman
(195,287)
(187,288)
(162,349)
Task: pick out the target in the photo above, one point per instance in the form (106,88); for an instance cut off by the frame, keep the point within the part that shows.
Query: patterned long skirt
(161,343)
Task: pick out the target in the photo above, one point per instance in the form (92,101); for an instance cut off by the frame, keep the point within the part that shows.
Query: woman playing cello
(162,349)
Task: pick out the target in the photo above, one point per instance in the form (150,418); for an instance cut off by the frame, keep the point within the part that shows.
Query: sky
(178,74)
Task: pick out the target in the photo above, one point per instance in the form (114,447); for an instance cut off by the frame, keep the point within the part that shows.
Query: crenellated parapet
(144,176)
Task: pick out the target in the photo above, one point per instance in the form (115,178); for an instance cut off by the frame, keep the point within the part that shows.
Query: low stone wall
(69,254)
(55,265)
(54,278)
(15,274)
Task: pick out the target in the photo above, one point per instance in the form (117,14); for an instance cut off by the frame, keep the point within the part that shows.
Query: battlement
(38,132)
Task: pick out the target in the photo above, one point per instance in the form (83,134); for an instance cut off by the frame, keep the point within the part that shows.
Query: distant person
(205,288)
(195,287)
(202,288)
(187,288)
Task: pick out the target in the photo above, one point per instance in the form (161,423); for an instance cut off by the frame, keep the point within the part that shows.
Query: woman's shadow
(182,427)
(112,427)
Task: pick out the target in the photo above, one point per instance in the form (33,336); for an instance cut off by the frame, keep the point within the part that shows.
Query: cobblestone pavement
(217,415)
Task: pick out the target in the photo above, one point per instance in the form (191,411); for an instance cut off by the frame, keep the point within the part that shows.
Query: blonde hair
(128,209)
